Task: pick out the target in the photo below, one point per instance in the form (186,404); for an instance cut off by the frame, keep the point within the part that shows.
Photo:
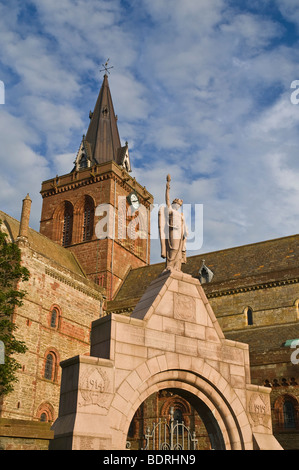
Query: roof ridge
(246,244)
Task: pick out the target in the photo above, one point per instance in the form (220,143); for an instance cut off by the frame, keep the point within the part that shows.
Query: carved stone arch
(219,408)
(136,424)
(172,341)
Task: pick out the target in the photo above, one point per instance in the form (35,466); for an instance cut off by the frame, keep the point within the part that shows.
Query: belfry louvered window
(88,217)
(67,225)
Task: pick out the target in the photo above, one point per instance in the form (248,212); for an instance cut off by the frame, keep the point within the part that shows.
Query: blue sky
(202,91)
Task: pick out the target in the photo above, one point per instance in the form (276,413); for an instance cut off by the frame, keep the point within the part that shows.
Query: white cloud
(63,163)
(252,31)
(21,168)
(201,90)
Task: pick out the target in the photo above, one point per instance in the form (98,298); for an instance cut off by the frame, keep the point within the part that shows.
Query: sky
(202,90)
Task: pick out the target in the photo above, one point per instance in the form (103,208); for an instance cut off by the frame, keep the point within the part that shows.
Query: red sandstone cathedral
(77,276)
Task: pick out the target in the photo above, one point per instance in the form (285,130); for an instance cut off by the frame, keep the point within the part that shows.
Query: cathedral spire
(102,142)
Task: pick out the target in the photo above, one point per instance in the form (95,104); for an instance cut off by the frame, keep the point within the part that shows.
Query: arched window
(49,367)
(249,315)
(289,416)
(286,412)
(54,318)
(178,415)
(63,223)
(67,225)
(178,419)
(45,413)
(88,218)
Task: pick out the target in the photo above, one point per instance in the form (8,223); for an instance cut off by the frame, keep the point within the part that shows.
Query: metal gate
(173,436)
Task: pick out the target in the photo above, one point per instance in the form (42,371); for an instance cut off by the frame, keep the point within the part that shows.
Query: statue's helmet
(177,201)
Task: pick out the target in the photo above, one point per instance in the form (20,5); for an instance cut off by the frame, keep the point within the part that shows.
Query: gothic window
(249,315)
(67,224)
(45,413)
(178,415)
(286,412)
(63,223)
(178,419)
(88,217)
(49,366)
(54,316)
(289,415)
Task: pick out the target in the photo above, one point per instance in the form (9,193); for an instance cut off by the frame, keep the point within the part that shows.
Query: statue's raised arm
(167,198)
(173,232)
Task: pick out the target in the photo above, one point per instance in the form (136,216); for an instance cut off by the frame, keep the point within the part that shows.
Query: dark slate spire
(102,143)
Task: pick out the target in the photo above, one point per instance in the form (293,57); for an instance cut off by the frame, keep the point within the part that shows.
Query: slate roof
(233,268)
(43,245)
(267,338)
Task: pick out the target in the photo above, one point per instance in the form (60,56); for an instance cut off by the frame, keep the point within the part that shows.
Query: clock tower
(98,210)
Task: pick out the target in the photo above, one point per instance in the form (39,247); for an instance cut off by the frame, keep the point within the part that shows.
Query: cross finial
(106,68)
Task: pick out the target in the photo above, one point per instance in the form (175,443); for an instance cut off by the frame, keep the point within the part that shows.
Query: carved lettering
(259,410)
(93,385)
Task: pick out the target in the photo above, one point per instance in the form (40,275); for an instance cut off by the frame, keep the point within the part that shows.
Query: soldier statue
(173,232)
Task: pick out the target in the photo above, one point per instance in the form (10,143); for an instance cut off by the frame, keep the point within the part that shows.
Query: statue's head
(177,201)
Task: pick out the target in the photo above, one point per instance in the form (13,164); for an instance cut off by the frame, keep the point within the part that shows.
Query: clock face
(134,201)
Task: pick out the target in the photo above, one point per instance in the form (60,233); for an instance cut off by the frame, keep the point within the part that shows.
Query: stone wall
(270,305)
(78,303)
(105,261)
(18,434)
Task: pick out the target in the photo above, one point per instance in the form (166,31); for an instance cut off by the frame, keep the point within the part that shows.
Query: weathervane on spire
(106,68)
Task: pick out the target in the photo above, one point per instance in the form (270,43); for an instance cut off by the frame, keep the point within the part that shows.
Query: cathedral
(87,266)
